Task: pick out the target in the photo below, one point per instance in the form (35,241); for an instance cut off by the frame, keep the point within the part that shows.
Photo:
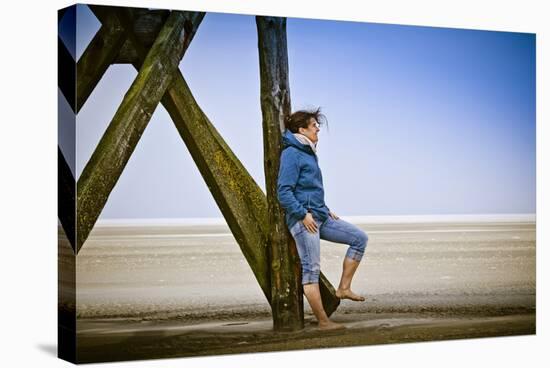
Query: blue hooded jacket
(300,183)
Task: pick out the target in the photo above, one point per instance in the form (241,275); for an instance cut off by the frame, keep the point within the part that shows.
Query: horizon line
(487,217)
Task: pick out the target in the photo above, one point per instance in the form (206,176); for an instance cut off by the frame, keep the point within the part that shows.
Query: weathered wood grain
(286,290)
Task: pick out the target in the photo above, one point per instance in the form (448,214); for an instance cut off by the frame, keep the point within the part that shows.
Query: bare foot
(348,294)
(329,325)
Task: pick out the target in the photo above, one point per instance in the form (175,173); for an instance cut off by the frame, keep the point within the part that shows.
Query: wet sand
(173,291)
(118,340)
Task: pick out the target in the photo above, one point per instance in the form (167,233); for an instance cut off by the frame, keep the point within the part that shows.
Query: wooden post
(119,140)
(286,288)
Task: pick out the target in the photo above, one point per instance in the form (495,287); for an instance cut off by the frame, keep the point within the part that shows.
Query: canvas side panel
(66,187)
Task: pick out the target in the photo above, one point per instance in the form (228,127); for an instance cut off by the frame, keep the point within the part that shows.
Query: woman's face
(312,130)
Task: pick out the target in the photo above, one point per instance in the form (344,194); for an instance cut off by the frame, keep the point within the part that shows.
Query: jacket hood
(289,140)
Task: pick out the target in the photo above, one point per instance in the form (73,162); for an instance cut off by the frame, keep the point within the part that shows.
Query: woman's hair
(301,118)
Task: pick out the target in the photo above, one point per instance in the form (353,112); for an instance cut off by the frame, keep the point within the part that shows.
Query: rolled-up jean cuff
(353,254)
(310,278)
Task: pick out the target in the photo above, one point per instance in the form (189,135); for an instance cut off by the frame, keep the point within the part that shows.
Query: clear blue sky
(422,120)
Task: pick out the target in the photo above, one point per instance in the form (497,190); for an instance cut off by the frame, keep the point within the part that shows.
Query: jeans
(309,244)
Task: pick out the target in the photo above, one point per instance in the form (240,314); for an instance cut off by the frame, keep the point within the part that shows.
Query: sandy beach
(173,291)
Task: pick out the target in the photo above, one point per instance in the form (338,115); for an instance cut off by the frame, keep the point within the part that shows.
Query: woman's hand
(310,223)
(333,215)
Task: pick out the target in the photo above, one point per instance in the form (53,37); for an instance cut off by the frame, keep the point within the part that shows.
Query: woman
(300,192)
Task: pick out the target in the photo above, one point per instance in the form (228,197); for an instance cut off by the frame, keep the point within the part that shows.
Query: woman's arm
(289,171)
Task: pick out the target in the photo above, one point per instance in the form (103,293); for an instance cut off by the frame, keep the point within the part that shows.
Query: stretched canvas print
(235,183)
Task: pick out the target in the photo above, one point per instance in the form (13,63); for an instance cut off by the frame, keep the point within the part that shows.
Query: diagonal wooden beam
(100,53)
(286,288)
(120,139)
